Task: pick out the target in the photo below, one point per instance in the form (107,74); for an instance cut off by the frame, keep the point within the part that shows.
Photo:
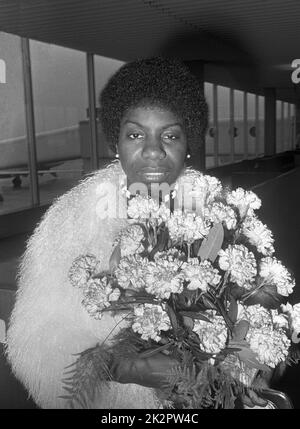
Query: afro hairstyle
(162,82)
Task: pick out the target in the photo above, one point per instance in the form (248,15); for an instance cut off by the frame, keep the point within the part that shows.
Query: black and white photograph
(149,207)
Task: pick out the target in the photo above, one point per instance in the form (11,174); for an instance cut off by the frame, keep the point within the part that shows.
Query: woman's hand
(148,372)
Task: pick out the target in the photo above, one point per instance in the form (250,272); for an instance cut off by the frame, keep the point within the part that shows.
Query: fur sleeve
(48,324)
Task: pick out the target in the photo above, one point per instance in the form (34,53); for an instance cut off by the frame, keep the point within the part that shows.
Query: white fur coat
(48,324)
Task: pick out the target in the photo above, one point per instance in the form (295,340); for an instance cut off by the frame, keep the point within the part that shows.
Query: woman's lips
(154,174)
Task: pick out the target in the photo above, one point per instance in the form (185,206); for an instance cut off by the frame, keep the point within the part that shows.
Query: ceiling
(260,35)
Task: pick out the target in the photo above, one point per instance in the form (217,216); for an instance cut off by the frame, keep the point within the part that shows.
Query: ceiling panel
(263,32)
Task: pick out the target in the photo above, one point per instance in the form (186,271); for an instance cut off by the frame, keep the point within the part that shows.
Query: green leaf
(233,310)
(161,244)
(115,258)
(211,245)
(248,356)
(240,330)
(267,296)
(188,322)
(195,315)
(196,247)
(236,291)
(208,302)
(145,241)
(173,318)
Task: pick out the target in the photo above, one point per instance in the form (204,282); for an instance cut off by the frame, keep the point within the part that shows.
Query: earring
(117,155)
(188,156)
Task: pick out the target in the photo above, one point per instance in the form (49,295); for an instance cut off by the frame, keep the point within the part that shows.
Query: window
(15,192)
(211,136)
(286,128)
(261,126)
(224,125)
(60,103)
(239,148)
(251,120)
(279,127)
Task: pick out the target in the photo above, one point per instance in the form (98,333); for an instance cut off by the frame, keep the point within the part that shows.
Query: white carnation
(265,335)
(257,315)
(203,189)
(141,208)
(149,320)
(212,335)
(98,295)
(240,263)
(275,272)
(130,272)
(245,201)
(219,212)
(82,269)
(293,313)
(270,345)
(187,227)
(171,255)
(200,275)
(163,277)
(279,320)
(258,235)
(130,240)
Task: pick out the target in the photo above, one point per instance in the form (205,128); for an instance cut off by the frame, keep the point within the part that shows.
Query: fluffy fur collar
(49,325)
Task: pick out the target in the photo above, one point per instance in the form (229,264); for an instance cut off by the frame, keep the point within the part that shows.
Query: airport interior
(57,55)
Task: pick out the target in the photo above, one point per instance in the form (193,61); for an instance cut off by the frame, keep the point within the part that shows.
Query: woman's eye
(169,137)
(135,136)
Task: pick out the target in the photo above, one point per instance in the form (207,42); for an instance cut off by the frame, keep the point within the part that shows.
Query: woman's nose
(153,149)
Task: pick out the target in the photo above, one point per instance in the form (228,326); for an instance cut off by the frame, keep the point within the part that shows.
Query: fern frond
(86,376)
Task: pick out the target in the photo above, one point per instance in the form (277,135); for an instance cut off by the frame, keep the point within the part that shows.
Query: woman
(151,111)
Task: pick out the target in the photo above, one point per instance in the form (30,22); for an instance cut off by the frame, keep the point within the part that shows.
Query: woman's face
(152,145)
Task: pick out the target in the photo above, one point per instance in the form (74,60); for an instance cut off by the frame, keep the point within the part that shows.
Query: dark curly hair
(156,81)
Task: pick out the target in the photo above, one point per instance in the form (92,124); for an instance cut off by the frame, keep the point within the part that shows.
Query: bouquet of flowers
(198,283)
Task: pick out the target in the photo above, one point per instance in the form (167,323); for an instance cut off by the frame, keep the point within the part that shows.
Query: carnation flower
(170,255)
(240,263)
(202,188)
(272,270)
(163,277)
(270,345)
(130,272)
(82,268)
(259,235)
(265,335)
(200,275)
(293,313)
(279,320)
(130,240)
(257,315)
(212,335)
(98,295)
(187,227)
(149,320)
(219,212)
(141,208)
(245,201)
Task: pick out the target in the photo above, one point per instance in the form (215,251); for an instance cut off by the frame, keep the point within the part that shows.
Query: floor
(280,211)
